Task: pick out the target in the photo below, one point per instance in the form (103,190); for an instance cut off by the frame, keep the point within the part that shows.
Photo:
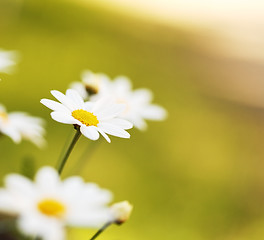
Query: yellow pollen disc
(91,89)
(51,208)
(85,117)
(4,116)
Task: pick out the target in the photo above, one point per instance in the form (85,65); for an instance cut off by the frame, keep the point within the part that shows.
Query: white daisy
(138,102)
(92,117)
(44,207)
(90,84)
(19,125)
(7,61)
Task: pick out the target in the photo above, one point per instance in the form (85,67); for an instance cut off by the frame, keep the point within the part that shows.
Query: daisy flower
(90,84)
(45,206)
(7,61)
(92,117)
(19,125)
(138,102)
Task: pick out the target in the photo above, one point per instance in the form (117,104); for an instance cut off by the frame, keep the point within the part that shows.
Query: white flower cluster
(96,106)
(44,207)
(138,106)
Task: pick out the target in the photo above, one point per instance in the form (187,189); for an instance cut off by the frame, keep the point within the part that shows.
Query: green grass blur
(197,176)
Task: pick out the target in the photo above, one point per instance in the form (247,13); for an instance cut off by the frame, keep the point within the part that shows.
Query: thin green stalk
(68,152)
(37,238)
(66,156)
(101,230)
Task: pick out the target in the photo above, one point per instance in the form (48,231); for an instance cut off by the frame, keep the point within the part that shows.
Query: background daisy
(44,207)
(8,60)
(90,84)
(19,125)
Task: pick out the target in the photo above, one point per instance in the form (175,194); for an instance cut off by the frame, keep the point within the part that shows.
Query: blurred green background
(197,175)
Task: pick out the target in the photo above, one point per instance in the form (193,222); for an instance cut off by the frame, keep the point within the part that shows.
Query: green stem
(37,238)
(101,230)
(66,156)
(68,152)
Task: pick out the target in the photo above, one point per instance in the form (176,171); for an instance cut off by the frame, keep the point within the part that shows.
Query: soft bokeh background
(198,175)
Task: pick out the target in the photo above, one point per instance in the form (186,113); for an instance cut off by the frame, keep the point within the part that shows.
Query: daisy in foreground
(138,102)
(91,117)
(44,207)
(19,125)
(7,61)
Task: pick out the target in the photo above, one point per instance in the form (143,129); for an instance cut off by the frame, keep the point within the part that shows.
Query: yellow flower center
(85,117)
(4,116)
(51,208)
(92,84)
(91,89)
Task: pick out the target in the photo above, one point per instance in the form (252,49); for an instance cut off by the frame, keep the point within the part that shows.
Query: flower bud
(121,211)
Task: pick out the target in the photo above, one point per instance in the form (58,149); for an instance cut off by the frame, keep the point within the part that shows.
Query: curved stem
(68,152)
(101,230)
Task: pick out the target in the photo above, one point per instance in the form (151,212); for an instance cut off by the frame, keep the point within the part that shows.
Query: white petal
(79,87)
(47,178)
(113,130)
(154,112)
(29,128)
(8,204)
(139,123)
(142,95)
(95,195)
(64,100)
(88,106)
(72,187)
(95,219)
(63,117)
(55,106)
(102,103)
(103,134)
(122,84)
(122,123)
(46,228)
(18,184)
(75,96)
(110,111)
(13,133)
(90,132)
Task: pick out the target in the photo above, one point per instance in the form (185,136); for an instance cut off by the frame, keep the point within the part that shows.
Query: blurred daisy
(19,125)
(92,117)
(90,84)
(138,102)
(7,61)
(44,207)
